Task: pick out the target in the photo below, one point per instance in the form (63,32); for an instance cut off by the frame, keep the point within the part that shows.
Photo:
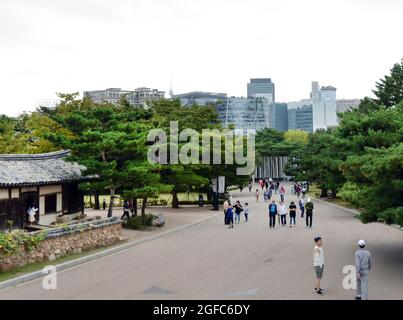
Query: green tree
(389,90)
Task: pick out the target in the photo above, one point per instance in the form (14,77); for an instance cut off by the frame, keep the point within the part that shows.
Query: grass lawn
(314,191)
(36,266)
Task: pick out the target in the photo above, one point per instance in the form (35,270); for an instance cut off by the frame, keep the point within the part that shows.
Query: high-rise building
(278,118)
(343,105)
(261,87)
(244,113)
(200,98)
(323,106)
(300,117)
(137,97)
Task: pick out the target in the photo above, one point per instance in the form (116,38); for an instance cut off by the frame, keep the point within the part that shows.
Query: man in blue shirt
(230,217)
(272,214)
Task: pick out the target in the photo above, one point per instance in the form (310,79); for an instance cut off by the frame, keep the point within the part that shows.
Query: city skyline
(50,46)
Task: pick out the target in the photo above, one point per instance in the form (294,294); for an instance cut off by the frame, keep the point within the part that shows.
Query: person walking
(269,194)
(257,195)
(230,217)
(301,204)
(246,211)
(292,209)
(272,214)
(250,186)
(238,209)
(104,204)
(363,264)
(282,193)
(126,210)
(226,205)
(309,213)
(267,184)
(266,195)
(318,263)
(283,213)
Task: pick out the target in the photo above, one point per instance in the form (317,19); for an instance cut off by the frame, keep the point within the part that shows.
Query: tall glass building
(300,118)
(261,87)
(278,118)
(323,106)
(244,113)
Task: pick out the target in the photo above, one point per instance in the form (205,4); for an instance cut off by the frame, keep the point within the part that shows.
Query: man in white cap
(363,264)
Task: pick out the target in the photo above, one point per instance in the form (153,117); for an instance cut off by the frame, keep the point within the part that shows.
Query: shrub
(137,222)
(133,223)
(11,242)
(392,215)
(148,220)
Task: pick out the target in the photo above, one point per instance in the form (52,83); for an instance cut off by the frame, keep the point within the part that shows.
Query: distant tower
(171,92)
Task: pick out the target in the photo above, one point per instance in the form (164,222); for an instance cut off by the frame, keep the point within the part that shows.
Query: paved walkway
(210,261)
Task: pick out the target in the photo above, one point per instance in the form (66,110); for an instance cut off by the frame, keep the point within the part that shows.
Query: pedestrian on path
(363,264)
(257,195)
(126,210)
(238,209)
(292,209)
(282,193)
(250,186)
(104,204)
(266,195)
(230,217)
(318,263)
(246,211)
(283,213)
(309,213)
(226,206)
(301,204)
(272,214)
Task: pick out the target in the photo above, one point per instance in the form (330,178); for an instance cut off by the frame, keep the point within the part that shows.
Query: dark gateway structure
(46,181)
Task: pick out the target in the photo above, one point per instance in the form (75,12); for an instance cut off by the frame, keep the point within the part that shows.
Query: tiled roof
(38,169)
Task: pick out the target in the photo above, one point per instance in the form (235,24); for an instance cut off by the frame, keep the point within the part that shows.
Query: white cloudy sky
(49,46)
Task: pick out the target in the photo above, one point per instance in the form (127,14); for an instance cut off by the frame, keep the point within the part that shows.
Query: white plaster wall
(50,189)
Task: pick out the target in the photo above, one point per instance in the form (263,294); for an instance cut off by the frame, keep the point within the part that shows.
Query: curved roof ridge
(37,156)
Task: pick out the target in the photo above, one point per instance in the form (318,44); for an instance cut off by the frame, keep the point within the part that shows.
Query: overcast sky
(49,46)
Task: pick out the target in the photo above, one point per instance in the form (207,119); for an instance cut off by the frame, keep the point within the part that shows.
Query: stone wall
(59,246)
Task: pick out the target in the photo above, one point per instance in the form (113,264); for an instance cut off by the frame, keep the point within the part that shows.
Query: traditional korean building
(46,181)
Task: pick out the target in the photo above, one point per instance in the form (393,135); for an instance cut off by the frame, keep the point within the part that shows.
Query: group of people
(363,264)
(281,211)
(236,209)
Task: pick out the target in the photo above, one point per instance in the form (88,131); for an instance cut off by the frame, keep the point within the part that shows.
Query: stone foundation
(56,247)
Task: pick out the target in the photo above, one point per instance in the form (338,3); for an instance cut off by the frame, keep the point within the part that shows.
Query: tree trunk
(96,197)
(323,193)
(175,200)
(112,196)
(143,210)
(135,206)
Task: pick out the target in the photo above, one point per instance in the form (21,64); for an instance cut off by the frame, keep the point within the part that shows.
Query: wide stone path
(210,261)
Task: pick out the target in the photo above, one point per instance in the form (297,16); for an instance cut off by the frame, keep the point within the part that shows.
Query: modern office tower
(278,118)
(200,98)
(343,105)
(261,87)
(244,113)
(323,106)
(137,97)
(300,117)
